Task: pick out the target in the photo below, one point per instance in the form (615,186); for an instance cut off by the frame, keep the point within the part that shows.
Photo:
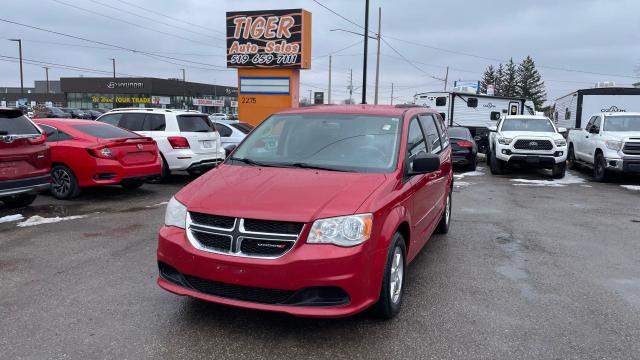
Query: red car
(316,213)
(25,159)
(88,153)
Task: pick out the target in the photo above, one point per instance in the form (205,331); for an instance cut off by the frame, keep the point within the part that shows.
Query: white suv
(186,139)
(528,140)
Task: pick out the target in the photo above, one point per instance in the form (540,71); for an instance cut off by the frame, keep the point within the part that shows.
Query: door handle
(586,137)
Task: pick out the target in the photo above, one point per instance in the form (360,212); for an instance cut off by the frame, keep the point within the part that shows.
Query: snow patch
(471,173)
(10,218)
(158,204)
(461,183)
(586,186)
(628,187)
(568,179)
(39,220)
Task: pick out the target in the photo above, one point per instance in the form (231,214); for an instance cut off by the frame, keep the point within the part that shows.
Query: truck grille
(631,148)
(242,237)
(523,144)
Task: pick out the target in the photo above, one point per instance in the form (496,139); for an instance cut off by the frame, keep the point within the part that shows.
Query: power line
(169,17)
(132,23)
(339,50)
(408,61)
(57,65)
(155,20)
(338,15)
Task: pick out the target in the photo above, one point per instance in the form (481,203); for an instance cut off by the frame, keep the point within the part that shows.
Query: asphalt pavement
(531,269)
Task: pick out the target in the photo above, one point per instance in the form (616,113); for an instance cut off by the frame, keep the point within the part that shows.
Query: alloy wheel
(61,181)
(396,276)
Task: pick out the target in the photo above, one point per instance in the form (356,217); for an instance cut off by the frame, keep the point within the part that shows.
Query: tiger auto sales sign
(269,39)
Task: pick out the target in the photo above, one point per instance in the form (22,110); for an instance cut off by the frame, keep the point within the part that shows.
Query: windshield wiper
(253,162)
(315,167)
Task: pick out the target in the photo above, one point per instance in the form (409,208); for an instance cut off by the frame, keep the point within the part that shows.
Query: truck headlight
(613,144)
(342,231)
(176,214)
(560,142)
(504,140)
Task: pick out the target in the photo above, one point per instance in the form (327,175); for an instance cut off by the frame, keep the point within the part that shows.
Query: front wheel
(388,305)
(600,168)
(18,201)
(559,170)
(496,165)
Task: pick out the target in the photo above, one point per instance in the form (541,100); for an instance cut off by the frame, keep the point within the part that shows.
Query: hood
(531,135)
(622,134)
(301,195)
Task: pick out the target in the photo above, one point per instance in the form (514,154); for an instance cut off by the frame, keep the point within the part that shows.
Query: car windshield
(458,132)
(536,125)
(104,131)
(340,142)
(244,128)
(194,123)
(622,123)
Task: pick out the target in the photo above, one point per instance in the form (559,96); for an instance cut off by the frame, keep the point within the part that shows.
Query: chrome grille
(631,148)
(242,237)
(532,144)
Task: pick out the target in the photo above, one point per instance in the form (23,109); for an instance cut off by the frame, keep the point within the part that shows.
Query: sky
(575,43)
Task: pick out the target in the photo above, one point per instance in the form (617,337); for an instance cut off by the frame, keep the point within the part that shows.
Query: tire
(559,170)
(165,172)
(195,173)
(65,184)
(571,159)
(388,305)
(18,201)
(495,165)
(473,165)
(443,225)
(132,184)
(600,173)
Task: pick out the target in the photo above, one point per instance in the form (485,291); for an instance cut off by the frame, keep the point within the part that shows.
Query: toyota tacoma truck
(529,141)
(609,143)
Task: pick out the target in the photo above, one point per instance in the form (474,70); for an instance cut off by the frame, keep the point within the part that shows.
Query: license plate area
(533,160)
(207,144)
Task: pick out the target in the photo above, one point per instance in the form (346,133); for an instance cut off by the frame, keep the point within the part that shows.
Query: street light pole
(375,101)
(113,99)
(366,49)
(184,89)
(329,95)
(19,41)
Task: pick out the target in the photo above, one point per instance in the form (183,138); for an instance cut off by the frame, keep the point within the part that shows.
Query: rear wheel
(65,185)
(571,159)
(132,184)
(164,173)
(600,168)
(388,305)
(18,201)
(496,165)
(443,225)
(473,165)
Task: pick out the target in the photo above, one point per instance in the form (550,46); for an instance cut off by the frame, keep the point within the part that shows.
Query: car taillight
(178,142)
(102,152)
(464,143)
(38,140)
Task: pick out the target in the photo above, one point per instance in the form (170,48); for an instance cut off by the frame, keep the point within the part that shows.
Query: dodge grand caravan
(317,213)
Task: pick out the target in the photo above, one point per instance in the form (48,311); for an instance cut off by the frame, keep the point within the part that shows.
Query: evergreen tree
(488,78)
(498,81)
(530,84)
(509,81)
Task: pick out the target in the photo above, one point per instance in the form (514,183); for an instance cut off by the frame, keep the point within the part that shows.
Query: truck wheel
(559,170)
(600,169)
(391,291)
(495,165)
(18,201)
(571,159)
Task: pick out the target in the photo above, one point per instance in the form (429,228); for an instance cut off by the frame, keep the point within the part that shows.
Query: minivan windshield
(339,142)
(622,123)
(524,124)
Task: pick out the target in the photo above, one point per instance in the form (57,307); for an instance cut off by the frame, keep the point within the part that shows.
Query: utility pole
(19,41)
(184,89)
(311,102)
(350,86)
(378,55)
(446,79)
(46,72)
(113,104)
(366,48)
(329,92)
(391,93)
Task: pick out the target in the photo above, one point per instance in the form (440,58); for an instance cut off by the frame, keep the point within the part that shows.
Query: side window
(441,101)
(64,136)
(111,119)
(431,134)
(223,130)
(555,116)
(155,122)
(472,102)
(567,114)
(444,136)
(495,115)
(588,126)
(443,116)
(596,124)
(132,121)
(415,140)
(52,133)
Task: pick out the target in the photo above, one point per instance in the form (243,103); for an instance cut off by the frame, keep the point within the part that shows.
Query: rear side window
(104,131)
(13,123)
(223,130)
(441,101)
(133,121)
(53,134)
(194,123)
(243,127)
(111,119)
(154,122)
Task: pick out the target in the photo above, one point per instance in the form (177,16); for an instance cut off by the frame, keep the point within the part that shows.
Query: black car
(54,112)
(77,113)
(92,114)
(464,147)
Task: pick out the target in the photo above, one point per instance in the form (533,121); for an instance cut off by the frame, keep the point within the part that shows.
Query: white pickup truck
(527,140)
(610,142)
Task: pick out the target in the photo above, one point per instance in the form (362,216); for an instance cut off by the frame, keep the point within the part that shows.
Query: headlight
(561,142)
(342,231)
(176,214)
(504,140)
(613,144)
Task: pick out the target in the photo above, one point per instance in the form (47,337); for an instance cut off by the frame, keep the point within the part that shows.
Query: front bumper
(625,164)
(549,158)
(23,186)
(345,270)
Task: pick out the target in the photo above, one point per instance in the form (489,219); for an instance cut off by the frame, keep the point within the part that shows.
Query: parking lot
(532,268)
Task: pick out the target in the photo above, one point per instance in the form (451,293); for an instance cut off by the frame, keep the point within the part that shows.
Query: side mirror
(229,149)
(594,129)
(493,128)
(424,164)
(562,130)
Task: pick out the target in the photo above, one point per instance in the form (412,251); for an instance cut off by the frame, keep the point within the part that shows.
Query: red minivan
(316,213)
(24,159)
